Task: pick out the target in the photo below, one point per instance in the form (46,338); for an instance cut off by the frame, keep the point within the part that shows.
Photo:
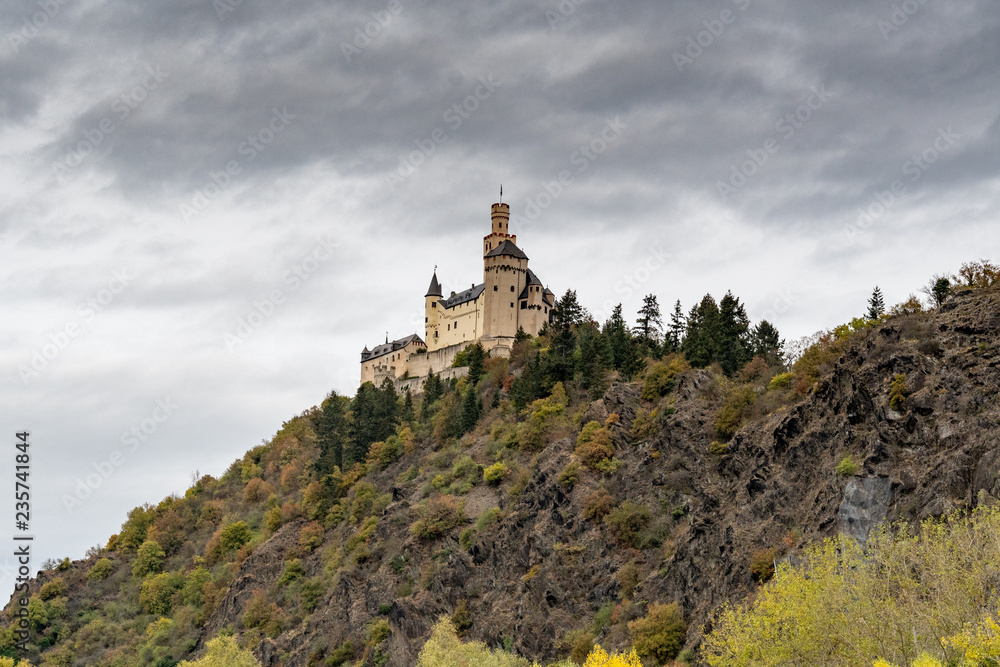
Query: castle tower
(505,269)
(500,227)
(432,312)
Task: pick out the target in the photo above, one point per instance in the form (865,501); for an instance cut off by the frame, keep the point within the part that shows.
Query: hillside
(544,529)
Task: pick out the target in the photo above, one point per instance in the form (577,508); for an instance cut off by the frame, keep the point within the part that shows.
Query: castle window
(434,304)
(511,288)
(511,304)
(524,305)
(495,288)
(435,334)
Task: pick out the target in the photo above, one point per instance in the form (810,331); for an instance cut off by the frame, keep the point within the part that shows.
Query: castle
(511,297)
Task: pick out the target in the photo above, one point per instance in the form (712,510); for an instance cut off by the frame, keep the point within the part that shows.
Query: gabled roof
(386,348)
(533,279)
(435,287)
(508,249)
(464,297)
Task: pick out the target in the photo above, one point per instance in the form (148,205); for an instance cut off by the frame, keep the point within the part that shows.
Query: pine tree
(734,332)
(702,339)
(766,342)
(408,413)
(432,392)
(876,305)
(375,414)
(590,364)
(472,409)
(650,323)
(618,337)
(476,356)
(559,360)
(675,332)
(331,434)
(569,310)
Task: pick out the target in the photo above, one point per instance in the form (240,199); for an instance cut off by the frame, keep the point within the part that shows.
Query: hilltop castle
(511,297)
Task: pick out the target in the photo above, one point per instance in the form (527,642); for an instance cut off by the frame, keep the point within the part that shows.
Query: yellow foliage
(445,649)
(224,652)
(600,658)
(9,662)
(896,599)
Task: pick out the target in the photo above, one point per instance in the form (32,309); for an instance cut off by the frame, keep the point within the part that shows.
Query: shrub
(718,448)
(661,377)
(234,536)
(601,658)
(597,505)
(102,570)
(148,560)
(156,593)
(847,466)
(311,593)
(272,519)
(660,634)
(293,572)
(382,454)
(340,655)
(898,391)
(628,579)
(194,585)
(257,490)
(627,521)
(52,589)
(495,473)
(756,372)
(378,631)
(594,445)
(311,536)
(762,564)
(570,475)
(461,619)
(488,517)
(445,649)
(734,410)
(437,516)
(579,643)
(224,650)
(531,435)
(780,381)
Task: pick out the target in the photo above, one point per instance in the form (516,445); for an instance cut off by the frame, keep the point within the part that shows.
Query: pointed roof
(507,248)
(435,287)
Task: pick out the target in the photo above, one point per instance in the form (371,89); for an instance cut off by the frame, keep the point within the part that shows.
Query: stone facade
(511,297)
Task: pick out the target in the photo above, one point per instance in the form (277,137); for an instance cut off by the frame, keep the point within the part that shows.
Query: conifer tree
(408,413)
(766,342)
(733,350)
(876,305)
(650,323)
(472,409)
(701,341)
(618,337)
(675,331)
(375,415)
(476,356)
(331,433)
(432,392)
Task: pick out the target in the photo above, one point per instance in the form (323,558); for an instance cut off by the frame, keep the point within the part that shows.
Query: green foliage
(594,445)
(194,585)
(437,516)
(148,560)
(898,391)
(876,305)
(224,651)
(896,597)
(101,570)
(735,408)
(488,517)
(570,474)
(718,448)
(461,619)
(780,381)
(294,571)
(378,631)
(234,536)
(660,377)
(627,521)
(495,473)
(445,649)
(532,434)
(340,655)
(156,592)
(847,466)
(133,532)
(374,417)
(660,634)
(52,589)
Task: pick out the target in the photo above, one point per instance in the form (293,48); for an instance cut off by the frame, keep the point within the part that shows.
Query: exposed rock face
(866,502)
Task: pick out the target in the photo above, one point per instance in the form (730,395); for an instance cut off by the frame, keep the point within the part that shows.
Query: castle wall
(394,364)
(457,325)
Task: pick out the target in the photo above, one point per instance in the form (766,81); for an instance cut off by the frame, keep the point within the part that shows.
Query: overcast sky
(208,209)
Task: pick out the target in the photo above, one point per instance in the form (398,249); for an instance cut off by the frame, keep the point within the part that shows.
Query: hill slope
(554,553)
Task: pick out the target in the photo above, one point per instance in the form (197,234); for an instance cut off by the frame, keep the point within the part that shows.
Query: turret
(500,228)
(432,312)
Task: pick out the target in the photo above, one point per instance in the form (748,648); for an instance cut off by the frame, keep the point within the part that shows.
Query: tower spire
(501,193)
